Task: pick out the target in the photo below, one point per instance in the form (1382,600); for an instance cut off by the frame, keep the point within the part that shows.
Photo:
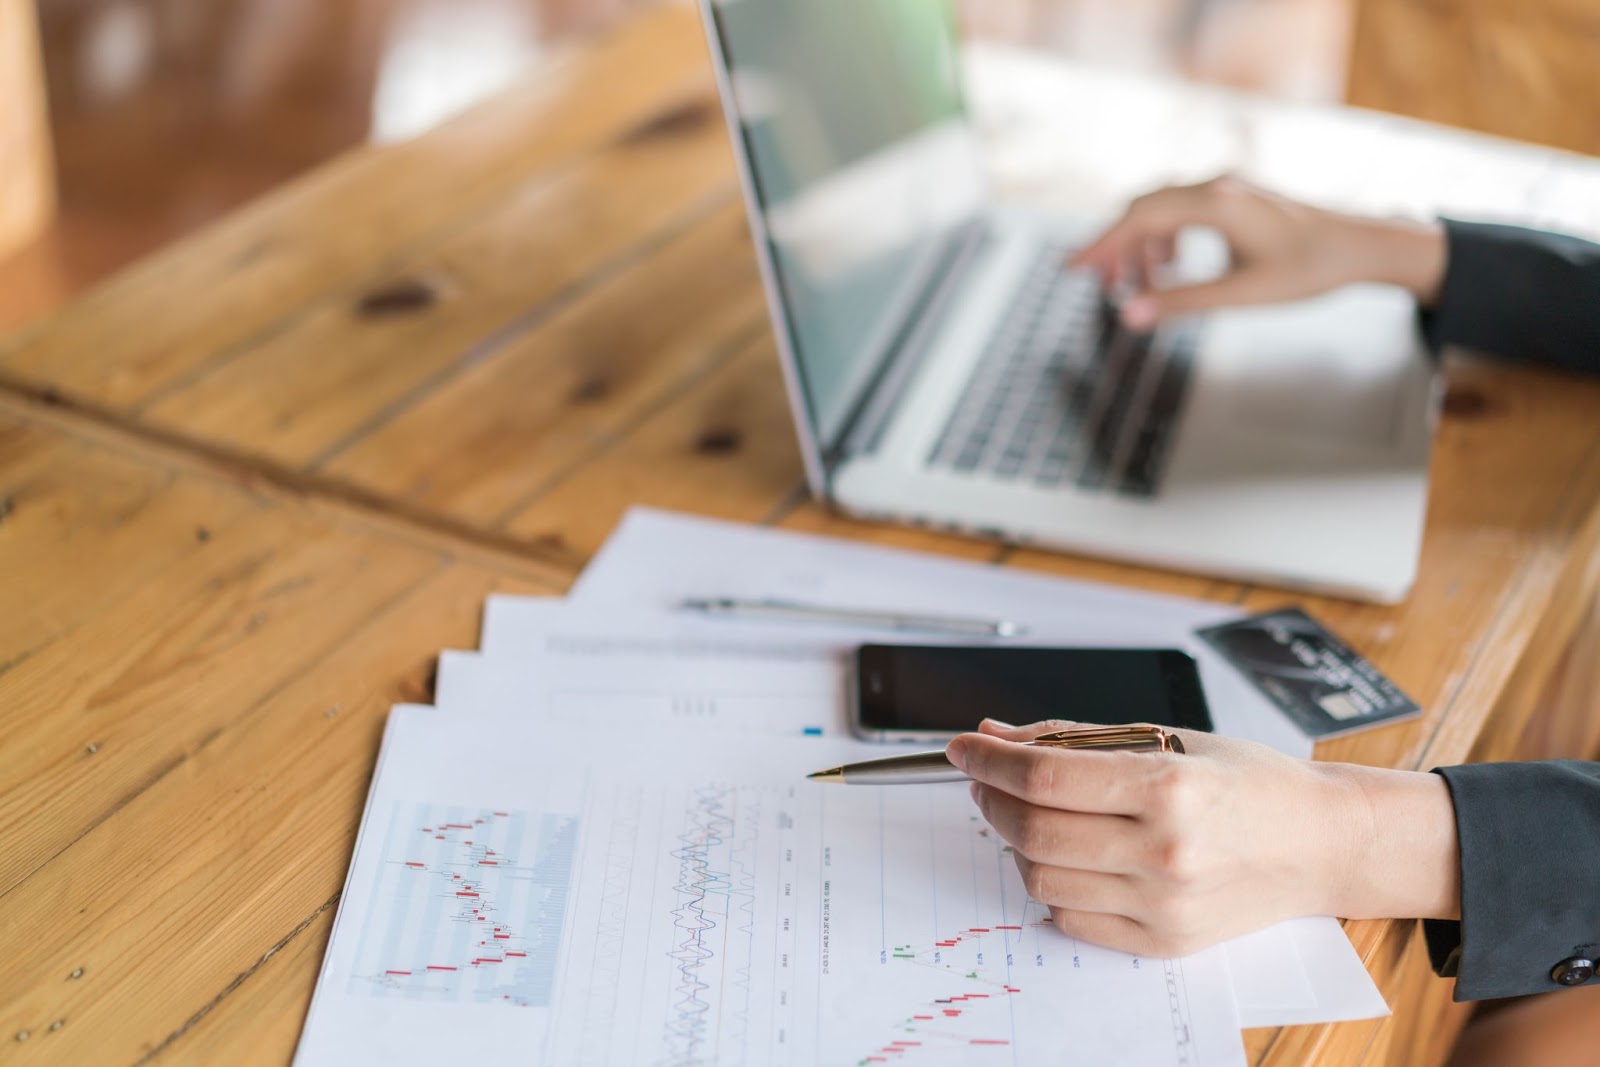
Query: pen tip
(832,774)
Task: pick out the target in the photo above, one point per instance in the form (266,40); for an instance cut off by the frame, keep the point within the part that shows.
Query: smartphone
(930,693)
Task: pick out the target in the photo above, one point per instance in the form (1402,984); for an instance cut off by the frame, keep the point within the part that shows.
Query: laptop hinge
(864,428)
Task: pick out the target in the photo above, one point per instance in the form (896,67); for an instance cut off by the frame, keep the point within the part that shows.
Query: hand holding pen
(919,768)
(1164,855)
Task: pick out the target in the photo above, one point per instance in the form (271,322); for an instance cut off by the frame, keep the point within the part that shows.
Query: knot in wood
(719,442)
(403,297)
(679,119)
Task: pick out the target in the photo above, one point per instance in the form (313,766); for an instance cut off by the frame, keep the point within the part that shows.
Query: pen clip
(1141,738)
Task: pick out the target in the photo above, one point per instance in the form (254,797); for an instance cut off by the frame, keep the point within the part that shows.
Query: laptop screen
(855,134)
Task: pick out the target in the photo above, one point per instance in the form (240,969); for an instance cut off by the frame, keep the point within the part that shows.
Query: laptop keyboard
(1065,396)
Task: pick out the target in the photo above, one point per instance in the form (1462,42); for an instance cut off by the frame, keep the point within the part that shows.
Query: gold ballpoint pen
(919,767)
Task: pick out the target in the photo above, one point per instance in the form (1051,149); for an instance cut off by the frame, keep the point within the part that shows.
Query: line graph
(702,891)
(475,902)
(714,922)
(686,928)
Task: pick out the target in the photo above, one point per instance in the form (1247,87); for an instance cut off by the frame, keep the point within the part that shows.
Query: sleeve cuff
(1521,294)
(1530,895)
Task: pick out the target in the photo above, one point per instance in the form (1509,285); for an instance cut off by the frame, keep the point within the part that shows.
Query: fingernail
(1139,313)
(997,722)
(956,753)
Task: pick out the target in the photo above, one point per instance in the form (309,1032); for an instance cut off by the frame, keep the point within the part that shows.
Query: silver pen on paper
(772,610)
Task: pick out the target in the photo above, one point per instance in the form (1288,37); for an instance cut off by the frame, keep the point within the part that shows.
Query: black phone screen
(944,689)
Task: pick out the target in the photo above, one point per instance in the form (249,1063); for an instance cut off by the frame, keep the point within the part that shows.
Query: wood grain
(210,736)
(260,846)
(147,328)
(1526,70)
(259,1014)
(259,603)
(1563,722)
(484,444)
(442,309)
(290,491)
(713,453)
(121,522)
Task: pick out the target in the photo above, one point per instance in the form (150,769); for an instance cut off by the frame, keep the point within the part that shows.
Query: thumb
(1005,731)
(1153,306)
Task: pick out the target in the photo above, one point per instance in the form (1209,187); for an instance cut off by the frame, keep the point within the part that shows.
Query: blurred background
(164,114)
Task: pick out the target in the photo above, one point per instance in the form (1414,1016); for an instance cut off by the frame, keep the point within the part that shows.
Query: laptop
(945,369)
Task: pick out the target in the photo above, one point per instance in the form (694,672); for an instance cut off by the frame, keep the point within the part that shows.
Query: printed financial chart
(725,924)
(469,906)
(967,969)
(652,914)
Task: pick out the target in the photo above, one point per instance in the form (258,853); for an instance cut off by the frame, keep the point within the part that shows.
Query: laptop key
(1093,475)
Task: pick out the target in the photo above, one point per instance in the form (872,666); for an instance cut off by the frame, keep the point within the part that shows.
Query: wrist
(1411,255)
(1398,854)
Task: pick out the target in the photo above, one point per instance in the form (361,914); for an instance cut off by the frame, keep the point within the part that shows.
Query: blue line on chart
(709,826)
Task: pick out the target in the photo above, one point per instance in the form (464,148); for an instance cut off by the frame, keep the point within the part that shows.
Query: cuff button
(1574,970)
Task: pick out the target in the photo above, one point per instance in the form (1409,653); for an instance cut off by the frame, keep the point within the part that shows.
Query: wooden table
(1521,68)
(250,487)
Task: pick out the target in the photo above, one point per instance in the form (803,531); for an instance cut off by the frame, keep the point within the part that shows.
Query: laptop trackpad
(1336,368)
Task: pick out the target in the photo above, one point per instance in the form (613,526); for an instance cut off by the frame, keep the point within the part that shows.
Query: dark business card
(1318,681)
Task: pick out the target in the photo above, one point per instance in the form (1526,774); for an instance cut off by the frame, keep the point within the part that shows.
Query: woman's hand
(1281,249)
(1162,855)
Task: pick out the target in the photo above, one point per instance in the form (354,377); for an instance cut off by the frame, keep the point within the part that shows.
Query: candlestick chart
(469,906)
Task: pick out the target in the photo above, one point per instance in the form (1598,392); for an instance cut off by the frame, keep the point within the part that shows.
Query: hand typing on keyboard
(1281,250)
(1066,396)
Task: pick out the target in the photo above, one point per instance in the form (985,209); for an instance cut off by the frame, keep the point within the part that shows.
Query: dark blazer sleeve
(1525,295)
(1530,879)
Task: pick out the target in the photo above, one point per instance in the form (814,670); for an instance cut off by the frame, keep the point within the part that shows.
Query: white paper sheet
(1338,983)
(520,891)
(1304,971)
(629,690)
(655,559)
(521,627)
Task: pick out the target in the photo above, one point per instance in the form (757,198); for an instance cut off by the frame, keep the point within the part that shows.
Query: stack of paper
(599,846)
